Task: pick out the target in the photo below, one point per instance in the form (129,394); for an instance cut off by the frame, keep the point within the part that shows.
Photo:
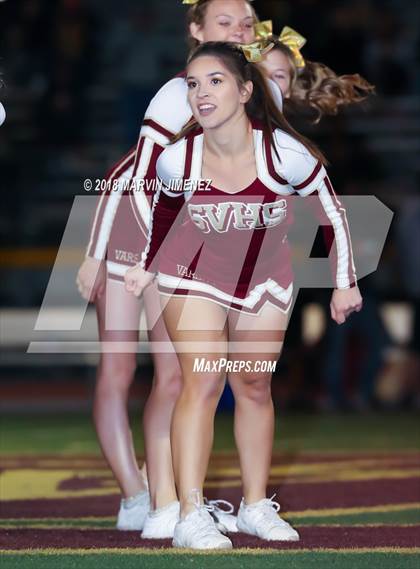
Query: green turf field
(349,483)
(304,559)
(73,434)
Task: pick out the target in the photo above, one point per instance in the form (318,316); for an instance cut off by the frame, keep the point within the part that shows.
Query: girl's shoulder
(295,163)
(287,142)
(169,110)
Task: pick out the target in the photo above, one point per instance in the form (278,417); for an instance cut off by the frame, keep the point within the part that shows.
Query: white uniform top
(287,169)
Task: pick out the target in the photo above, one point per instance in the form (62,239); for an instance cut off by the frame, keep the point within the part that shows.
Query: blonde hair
(197,15)
(320,88)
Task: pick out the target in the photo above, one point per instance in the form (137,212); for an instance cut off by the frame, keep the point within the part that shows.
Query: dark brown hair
(320,88)
(197,15)
(261,106)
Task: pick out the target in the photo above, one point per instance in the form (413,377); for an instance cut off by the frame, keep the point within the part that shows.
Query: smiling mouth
(206,109)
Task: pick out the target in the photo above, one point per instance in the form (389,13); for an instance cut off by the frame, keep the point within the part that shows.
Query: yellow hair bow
(189,1)
(294,42)
(255,51)
(263,30)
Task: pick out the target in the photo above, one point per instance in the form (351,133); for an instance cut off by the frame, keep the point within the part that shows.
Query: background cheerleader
(121,225)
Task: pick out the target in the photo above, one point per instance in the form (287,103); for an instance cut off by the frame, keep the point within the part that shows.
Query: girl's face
(226,20)
(213,92)
(276,66)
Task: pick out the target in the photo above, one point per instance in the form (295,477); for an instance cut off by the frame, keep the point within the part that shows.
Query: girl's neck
(230,139)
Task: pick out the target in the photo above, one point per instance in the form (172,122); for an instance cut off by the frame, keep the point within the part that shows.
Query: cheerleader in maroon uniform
(118,228)
(225,278)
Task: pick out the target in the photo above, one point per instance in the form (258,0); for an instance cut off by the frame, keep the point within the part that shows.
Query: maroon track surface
(311,537)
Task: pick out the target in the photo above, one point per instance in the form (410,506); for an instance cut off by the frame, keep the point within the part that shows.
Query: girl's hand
(137,279)
(344,302)
(91,279)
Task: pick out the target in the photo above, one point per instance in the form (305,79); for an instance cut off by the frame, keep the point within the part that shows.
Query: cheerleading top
(120,225)
(232,248)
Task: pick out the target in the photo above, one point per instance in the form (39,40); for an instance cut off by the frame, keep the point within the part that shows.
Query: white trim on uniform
(169,110)
(255,295)
(197,158)
(149,237)
(262,167)
(113,199)
(153,135)
(140,199)
(117,268)
(334,213)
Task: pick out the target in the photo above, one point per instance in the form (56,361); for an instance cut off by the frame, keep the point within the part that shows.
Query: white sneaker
(133,512)
(261,519)
(160,523)
(224,518)
(198,529)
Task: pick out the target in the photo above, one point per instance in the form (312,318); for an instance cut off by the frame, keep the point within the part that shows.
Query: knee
(204,390)
(168,383)
(252,387)
(115,375)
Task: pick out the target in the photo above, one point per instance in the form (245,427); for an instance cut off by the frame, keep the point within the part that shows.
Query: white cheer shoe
(133,512)
(198,529)
(223,516)
(160,523)
(261,519)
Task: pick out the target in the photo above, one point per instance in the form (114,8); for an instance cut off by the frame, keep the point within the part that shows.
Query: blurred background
(77,77)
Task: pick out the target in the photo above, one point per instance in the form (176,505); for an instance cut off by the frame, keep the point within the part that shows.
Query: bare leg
(159,408)
(254,410)
(193,418)
(114,378)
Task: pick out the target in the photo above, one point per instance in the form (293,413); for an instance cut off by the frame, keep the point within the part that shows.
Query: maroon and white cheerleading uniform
(120,226)
(232,248)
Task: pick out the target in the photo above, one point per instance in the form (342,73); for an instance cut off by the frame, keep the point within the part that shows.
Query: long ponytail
(318,87)
(323,90)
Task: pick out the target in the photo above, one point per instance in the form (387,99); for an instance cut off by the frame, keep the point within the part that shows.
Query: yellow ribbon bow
(263,30)
(189,1)
(255,51)
(294,42)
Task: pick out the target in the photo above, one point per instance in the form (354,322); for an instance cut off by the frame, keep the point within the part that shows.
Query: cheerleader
(224,274)
(307,83)
(119,226)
